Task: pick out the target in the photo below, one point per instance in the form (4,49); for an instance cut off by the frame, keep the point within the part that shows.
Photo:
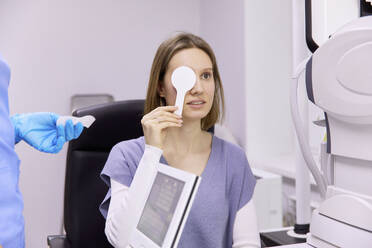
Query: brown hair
(163,55)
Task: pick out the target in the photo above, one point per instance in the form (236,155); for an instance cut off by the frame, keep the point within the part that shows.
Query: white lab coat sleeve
(120,221)
(245,232)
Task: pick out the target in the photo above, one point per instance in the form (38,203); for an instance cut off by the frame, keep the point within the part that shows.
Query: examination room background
(57,49)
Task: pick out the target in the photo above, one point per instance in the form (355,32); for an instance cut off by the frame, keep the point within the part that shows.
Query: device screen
(160,207)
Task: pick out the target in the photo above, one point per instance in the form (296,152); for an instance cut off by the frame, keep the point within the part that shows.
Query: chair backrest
(86,156)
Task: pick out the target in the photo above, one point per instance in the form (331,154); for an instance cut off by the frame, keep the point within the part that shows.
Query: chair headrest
(115,122)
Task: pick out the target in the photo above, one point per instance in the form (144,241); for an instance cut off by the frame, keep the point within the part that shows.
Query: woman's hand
(156,122)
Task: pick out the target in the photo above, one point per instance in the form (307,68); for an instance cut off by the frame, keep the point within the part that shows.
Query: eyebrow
(203,69)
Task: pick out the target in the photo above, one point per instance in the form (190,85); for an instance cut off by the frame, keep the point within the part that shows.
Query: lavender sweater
(227,185)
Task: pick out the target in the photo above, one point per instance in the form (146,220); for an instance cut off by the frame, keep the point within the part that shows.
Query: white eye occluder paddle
(86,120)
(183,79)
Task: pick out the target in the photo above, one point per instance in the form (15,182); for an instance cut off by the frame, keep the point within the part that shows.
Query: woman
(222,214)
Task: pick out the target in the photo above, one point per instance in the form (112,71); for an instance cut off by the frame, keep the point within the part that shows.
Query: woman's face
(198,101)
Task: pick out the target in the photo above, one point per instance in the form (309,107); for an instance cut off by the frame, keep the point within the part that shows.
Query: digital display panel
(160,207)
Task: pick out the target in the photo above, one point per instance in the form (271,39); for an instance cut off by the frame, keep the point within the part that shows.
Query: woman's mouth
(196,103)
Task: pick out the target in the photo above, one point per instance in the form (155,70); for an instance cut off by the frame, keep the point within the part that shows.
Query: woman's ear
(161,93)
(161,90)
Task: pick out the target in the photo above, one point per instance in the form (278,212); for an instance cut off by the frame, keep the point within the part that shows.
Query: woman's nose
(197,89)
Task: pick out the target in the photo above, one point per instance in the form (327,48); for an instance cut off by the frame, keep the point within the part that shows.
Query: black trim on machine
(328,134)
(309,80)
(311,44)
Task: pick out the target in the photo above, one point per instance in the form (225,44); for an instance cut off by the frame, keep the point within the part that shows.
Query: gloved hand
(41,131)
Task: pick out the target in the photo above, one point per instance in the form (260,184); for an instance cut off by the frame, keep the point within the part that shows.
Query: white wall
(268,66)
(222,25)
(60,48)
(340,12)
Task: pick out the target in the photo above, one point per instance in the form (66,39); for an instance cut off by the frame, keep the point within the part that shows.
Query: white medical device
(339,81)
(165,209)
(183,79)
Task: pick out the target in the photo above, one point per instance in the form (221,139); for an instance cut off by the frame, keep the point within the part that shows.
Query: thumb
(59,144)
(59,140)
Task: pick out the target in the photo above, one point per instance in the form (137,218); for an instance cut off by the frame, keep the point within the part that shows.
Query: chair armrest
(58,241)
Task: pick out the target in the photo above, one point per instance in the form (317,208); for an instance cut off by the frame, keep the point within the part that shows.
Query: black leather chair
(86,156)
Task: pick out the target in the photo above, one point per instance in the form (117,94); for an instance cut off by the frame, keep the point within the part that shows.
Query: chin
(194,115)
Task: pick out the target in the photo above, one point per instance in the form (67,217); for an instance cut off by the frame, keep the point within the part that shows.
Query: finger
(165,125)
(56,144)
(149,123)
(69,130)
(163,114)
(168,108)
(168,118)
(78,128)
(149,115)
(60,130)
(154,123)
(162,118)
(165,108)
(59,144)
(160,111)
(52,146)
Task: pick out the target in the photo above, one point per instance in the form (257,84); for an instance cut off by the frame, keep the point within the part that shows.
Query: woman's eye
(206,75)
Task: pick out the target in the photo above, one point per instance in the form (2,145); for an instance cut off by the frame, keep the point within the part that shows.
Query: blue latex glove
(40,131)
